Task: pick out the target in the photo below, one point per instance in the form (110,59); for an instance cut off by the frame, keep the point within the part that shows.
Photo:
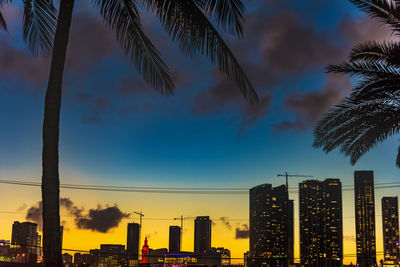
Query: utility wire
(176,190)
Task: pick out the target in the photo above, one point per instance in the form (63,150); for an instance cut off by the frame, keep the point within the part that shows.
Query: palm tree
(372,112)
(186,21)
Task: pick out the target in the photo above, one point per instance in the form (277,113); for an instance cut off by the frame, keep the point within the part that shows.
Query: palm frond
(123,17)
(378,87)
(3,23)
(369,69)
(357,126)
(387,11)
(186,23)
(398,158)
(227,13)
(372,51)
(39,25)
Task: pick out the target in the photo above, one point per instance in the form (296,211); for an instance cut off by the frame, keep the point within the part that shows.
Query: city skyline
(224,221)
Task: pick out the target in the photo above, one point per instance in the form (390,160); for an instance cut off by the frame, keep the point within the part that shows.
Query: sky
(116,130)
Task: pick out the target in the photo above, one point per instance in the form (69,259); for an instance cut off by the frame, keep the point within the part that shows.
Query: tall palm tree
(186,21)
(372,112)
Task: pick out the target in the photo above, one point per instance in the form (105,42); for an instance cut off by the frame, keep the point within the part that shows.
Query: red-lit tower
(145,251)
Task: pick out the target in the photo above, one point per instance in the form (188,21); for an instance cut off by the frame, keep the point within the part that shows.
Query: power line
(176,190)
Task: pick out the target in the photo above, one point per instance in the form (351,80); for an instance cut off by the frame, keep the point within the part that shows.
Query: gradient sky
(116,130)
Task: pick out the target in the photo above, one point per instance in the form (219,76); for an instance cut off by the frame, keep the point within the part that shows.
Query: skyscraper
(390,225)
(365,218)
(202,234)
(174,239)
(321,225)
(271,226)
(132,242)
(25,236)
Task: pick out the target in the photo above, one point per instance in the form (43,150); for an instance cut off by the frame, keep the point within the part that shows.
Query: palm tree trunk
(51,125)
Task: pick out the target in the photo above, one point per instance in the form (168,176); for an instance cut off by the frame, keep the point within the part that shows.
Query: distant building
(145,252)
(192,259)
(132,242)
(84,259)
(321,223)
(271,226)
(156,256)
(67,259)
(224,253)
(25,239)
(202,234)
(110,255)
(174,238)
(364,198)
(390,224)
(4,248)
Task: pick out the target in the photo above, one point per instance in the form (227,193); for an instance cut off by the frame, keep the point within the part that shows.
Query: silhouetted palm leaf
(357,126)
(196,34)
(388,11)
(387,53)
(3,23)
(123,17)
(39,25)
(227,13)
(372,112)
(398,157)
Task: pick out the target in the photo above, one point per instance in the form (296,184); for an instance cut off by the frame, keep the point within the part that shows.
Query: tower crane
(292,175)
(181,234)
(140,224)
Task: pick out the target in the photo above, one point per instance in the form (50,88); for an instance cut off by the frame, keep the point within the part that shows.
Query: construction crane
(182,219)
(292,175)
(140,224)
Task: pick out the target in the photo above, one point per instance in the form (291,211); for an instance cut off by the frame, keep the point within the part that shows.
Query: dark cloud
(310,106)
(22,208)
(279,51)
(21,65)
(34,214)
(363,29)
(225,221)
(101,219)
(242,232)
(131,85)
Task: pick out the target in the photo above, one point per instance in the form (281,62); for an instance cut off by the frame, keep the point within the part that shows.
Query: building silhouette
(174,239)
(25,238)
(132,242)
(145,251)
(390,225)
(321,223)
(271,226)
(365,218)
(202,234)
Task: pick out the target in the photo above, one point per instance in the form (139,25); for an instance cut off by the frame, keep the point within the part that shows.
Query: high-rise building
(321,225)
(25,236)
(365,218)
(390,224)
(271,226)
(132,242)
(174,239)
(202,234)
(145,251)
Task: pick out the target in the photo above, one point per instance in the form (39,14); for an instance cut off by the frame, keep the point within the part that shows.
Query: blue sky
(117,130)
